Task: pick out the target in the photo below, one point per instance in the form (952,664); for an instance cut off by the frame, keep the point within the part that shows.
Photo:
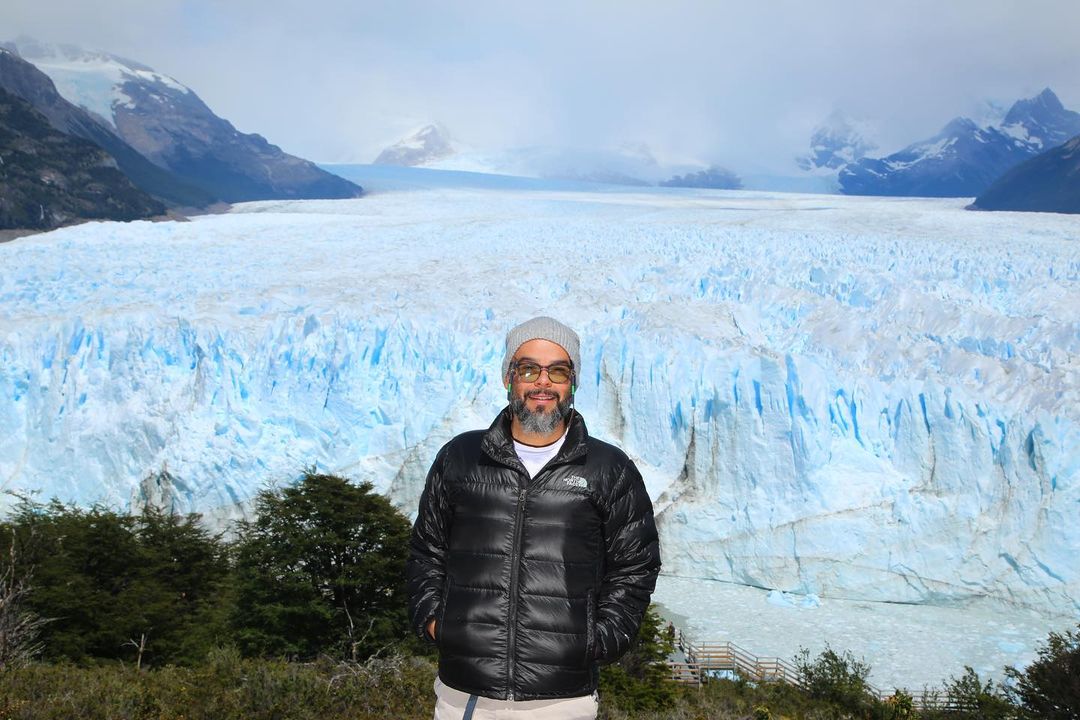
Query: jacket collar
(498,443)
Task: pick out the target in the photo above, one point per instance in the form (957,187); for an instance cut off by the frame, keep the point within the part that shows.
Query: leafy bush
(321,570)
(1050,686)
(641,679)
(969,698)
(898,706)
(837,678)
(119,586)
(225,687)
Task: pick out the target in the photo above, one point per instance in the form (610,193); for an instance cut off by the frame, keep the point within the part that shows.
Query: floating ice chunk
(779,599)
(1011,646)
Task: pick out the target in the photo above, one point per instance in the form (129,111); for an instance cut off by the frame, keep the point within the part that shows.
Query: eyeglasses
(530,372)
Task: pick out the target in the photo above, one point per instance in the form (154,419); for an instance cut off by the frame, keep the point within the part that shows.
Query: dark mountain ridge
(23,79)
(50,178)
(1049,182)
(964,159)
(169,125)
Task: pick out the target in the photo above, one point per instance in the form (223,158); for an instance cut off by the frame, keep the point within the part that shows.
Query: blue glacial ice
(838,397)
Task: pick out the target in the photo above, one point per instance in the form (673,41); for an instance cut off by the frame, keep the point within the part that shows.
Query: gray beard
(540,422)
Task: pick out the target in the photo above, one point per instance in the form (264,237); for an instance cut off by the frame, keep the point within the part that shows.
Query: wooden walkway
(724,660)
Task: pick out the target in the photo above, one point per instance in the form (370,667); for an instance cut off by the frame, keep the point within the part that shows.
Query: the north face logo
(576,481)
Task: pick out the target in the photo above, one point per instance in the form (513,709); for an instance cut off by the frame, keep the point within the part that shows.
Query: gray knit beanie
(542,328)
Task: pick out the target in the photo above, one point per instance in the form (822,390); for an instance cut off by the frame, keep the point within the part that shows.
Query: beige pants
(450,705)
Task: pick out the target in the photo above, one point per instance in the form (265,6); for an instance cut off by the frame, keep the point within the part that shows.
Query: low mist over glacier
(852,397)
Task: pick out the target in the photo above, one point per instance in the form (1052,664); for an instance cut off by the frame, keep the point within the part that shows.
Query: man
(534,551)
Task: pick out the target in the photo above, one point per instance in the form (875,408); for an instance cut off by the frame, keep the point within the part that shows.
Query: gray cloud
(734,84)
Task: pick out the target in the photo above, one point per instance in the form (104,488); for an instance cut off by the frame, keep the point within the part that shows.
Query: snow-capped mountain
(424,146)
(1047,183)
(432,146)
(26,81)
(48,178)
(1041,122)
(965,157)
(959,161)
(171,126)
(837,142)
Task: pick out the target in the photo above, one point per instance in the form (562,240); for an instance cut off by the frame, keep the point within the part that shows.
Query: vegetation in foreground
(301,615)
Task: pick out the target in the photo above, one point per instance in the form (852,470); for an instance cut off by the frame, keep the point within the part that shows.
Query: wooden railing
(714,660)
(717,659)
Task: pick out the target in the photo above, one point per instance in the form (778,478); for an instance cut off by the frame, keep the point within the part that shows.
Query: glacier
(851,398)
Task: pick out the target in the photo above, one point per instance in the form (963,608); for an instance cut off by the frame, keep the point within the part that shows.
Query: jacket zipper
(515,552)
(511,645)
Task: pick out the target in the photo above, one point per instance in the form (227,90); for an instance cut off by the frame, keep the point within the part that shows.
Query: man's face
(540,405)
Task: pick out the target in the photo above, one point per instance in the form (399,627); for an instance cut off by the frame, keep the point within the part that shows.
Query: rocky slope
(51,179)
(26,81)
(965,158)
(171,126)
(1047,183)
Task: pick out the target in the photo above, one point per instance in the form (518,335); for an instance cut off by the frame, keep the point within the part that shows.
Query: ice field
(859,398)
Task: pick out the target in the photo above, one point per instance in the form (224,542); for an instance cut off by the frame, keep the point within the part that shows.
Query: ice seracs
(847,397)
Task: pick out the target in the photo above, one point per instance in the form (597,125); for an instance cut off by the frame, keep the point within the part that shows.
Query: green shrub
(969,698)
(898,706)
(145,587)
(321,570)
(226,687)
(836,678)
(641,679)
(1050,686)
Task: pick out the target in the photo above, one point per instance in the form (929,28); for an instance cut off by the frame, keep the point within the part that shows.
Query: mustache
(534,393)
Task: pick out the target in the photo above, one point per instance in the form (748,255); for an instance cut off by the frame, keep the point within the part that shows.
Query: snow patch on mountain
(90,79)
(631,163)
(838,141)
(967,156)
(423,146)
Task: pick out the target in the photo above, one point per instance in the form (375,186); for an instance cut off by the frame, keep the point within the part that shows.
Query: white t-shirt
(535,458)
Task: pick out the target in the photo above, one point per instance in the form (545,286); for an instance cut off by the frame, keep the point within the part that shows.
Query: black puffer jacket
(533,582)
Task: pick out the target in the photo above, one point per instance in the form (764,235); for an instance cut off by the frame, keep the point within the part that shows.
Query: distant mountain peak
(426,144)
(836,142)
(966,156)
(1042,119)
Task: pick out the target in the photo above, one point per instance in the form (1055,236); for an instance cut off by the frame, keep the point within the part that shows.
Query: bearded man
(534,551)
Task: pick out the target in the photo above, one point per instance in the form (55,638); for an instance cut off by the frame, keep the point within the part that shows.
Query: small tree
(837,678)
(19,627)
(1050,686)
(641,679)
(320,570)
(179,593)
(972,699)
(84,564)
(106,578)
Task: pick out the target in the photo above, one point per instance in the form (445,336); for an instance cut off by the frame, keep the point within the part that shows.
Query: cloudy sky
(737,83)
